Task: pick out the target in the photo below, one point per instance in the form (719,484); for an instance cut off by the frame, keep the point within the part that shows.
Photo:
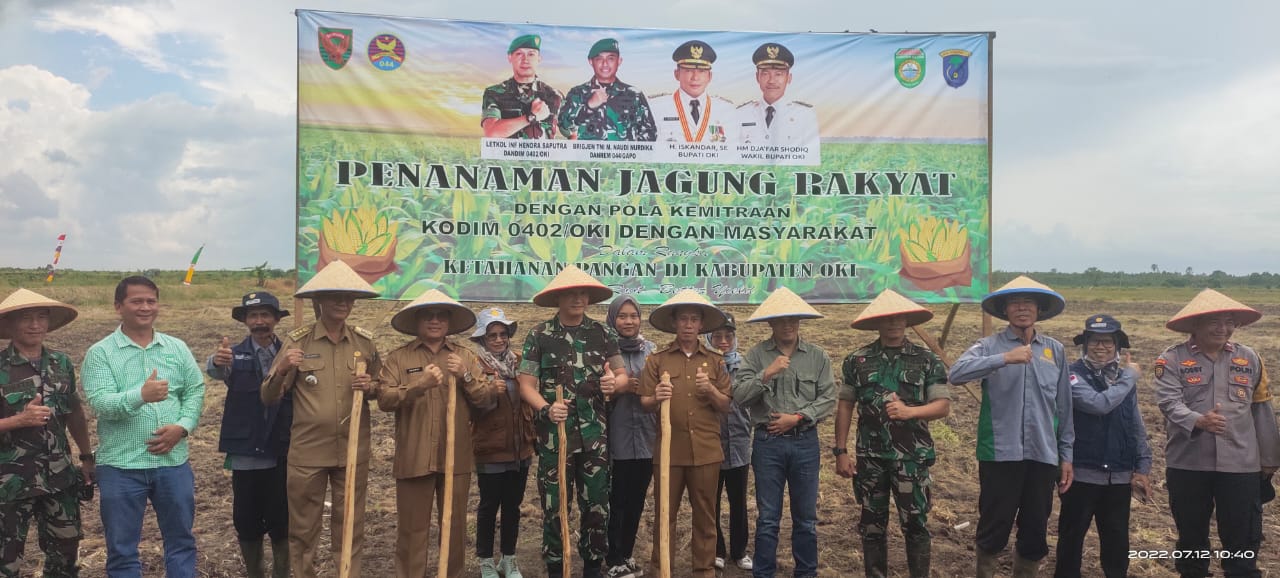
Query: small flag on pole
(192,269)
(57,254)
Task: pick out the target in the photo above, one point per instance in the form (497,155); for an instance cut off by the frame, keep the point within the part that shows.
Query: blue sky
(1125,134)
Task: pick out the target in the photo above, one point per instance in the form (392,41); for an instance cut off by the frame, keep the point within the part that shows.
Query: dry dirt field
(201,315)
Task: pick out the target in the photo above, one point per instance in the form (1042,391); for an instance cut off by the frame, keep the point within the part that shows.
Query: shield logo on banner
(908,66)
(955,66)
(386,52)
(335,46)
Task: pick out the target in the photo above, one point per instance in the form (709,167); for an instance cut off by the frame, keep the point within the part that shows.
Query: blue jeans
(790,461)
(123,503)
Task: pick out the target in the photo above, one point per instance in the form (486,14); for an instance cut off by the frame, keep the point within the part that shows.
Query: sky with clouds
(1125,134)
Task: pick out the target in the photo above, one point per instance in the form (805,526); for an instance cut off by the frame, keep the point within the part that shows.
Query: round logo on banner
(386,52)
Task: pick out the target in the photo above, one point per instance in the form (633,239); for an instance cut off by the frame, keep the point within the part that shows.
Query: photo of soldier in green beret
(522,106)
(605,108)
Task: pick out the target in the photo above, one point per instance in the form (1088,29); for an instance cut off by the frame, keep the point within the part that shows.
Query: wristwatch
(467,377)
(839,451)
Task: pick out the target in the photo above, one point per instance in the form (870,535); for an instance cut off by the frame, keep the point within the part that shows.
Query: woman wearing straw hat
(632,432)
(1024,426)
(38,406)
(504,440)
(735,440)
(578,355)
(786,385)
(317,363)
(1222,433)
(414,383)
(698,391)
(1112,456)
(898,388)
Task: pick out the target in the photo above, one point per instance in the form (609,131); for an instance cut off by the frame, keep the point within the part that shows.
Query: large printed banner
(481,158)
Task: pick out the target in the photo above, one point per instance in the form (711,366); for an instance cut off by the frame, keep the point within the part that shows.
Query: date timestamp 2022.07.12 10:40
(1192,554)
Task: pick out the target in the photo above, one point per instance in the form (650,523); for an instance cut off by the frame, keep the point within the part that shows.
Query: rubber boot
(1024,568)
(918,558)
(591,568)
(252,554)
(875,558)
(280,558)
(555,570)
(987,564)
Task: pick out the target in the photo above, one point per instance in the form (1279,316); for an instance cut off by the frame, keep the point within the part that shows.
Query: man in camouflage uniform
(897,387)
(605,108)
(522,106)
(38,404)
(580,355)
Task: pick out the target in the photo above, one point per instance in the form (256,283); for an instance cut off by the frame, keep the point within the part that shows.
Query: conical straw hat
(460,318)
(664,316)
(1209,302)
(572,278)
(60,313)
(337,277)
(887,304)
(784,303)
(1051,303)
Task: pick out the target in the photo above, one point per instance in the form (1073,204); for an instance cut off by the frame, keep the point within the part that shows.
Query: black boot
(252,554)
(591,568)
(918,558)
(555,570)
(280,558)
(875,558)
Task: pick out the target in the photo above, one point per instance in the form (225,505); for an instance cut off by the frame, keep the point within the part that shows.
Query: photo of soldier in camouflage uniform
(897,387)
(580,355)
(605,108)
(38,405)
(522,106)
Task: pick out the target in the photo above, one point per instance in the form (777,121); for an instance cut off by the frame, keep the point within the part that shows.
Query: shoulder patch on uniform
(365,333)
(659,94)
(723,99)
(802,103)
(299,333)
(748,103)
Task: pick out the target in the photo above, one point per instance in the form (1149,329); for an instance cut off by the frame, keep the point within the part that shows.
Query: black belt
(794,432)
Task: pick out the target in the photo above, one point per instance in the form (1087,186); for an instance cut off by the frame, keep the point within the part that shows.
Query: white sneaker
(636,571)
(719,563)
(620,571)
(745,563)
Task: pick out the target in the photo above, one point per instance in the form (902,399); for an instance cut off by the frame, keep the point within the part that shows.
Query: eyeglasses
(434,315)
(502,335)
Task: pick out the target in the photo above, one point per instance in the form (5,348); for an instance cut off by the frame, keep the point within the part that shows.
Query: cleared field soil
(202,318)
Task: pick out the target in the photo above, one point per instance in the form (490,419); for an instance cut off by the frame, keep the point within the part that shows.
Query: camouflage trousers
(588,471)
(908,483)
(58,524)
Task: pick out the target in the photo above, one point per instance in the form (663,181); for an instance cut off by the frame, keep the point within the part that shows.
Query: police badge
(955,66)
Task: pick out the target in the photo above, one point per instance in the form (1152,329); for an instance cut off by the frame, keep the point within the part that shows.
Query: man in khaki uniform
(318,364)
(410,385)
(698,391)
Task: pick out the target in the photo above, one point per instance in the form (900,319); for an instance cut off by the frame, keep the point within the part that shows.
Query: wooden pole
(446,512)
(664,488)
(933,345)
(946,327)
(349,484)
(566,555)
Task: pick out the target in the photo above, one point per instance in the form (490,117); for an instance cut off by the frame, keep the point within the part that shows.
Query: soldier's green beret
(527,41)
(603,45)
(773,55)
(694,54)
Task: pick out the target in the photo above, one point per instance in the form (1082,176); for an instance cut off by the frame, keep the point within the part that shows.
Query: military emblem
(772,51)
(696,52)
(1240,361)
(1189,363)
(335,46)
(1159,370)
(386,52)
(1195,379)
(1242,380)
(908,66)
(955,69)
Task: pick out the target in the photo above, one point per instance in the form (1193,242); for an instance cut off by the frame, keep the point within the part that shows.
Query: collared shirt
(265,356)
(912,373)
(510,99)
(695,422)
(420,424)
(573,358)
(673,114)
(1084,398)
(624,116)
(321,411)
(1026,407)
(36,461)
(806,387)
(113,372)
(735,436)
(794,123)
(632,429)
(257,425)
(1190,384)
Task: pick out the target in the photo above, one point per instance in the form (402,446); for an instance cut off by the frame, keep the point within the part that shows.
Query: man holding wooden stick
(698,391)
(318,364)
(579,356)
(1025,431)
(410,385)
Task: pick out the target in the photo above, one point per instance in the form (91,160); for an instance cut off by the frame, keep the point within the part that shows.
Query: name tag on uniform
(670,118)
(413,370)
(243,356)
(311,356)
(748,124)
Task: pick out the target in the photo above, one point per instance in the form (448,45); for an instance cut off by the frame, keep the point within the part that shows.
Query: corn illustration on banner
(480,158)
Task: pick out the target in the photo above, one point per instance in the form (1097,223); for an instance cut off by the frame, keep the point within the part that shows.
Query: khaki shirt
(321,412)
(695,422)
(420,424)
